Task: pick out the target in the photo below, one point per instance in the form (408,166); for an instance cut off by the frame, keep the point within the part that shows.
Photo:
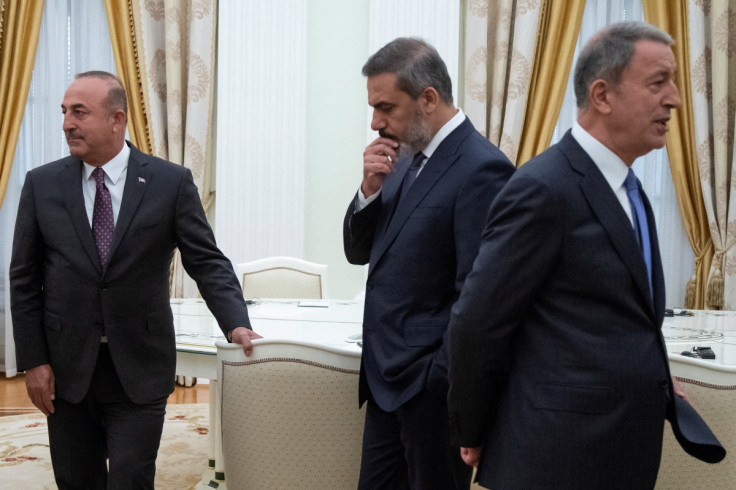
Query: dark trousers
(410,448)
(106,427)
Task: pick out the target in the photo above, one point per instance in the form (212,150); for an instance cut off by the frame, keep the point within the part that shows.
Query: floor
(15,401)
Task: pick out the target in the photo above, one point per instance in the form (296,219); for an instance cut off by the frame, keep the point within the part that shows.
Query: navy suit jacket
(558,367)
(420,251)
(62,299)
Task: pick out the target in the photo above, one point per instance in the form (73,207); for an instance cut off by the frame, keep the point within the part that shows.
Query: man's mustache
(383,134)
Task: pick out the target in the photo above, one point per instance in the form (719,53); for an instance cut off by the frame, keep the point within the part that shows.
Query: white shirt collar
(114,168)
(444,131)
(614,169)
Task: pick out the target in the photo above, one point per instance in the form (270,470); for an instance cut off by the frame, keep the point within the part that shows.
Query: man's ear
(429,99)
(599,95)
(119,120)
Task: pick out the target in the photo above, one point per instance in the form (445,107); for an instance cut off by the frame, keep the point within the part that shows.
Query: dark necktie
(633,189)
(103,223)
(411,174)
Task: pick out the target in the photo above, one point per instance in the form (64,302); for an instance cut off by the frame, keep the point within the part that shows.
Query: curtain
(498,67)
(672,17)
(712,31)
(20,23)
(125,47)
(176,58)
(73,38)
(557,34)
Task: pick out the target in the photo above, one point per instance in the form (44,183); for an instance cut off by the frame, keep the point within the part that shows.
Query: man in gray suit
(89,286)
(558,373)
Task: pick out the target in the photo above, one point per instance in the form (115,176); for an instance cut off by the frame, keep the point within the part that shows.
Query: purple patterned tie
(103,223)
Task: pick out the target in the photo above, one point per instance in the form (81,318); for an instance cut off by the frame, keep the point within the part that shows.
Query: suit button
(369,285)
(664,383)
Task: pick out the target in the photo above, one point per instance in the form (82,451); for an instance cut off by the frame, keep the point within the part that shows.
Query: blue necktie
(411,174)
(633,189)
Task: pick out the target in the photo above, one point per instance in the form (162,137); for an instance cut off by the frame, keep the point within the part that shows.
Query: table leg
(214,475)
(219,460)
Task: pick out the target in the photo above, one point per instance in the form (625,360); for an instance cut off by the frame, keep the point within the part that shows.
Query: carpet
(25,462)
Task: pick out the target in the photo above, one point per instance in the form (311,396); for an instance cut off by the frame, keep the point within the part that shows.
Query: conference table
(334,323)
(702,328)
(337,323)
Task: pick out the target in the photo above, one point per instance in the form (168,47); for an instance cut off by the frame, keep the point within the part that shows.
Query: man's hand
(378,160)
(677,388)
(470,455)
(40,387)
(244,336)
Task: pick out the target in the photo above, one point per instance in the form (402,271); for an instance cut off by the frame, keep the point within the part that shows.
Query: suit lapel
(438,164)
(70,180)
(135,186)
(657,271)
(611,215)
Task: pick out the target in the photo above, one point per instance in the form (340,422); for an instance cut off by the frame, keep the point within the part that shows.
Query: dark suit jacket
(62,298)
(558,366)
(420,252)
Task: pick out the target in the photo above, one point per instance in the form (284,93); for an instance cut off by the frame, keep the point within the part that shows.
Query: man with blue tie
(428,180)
(558,370)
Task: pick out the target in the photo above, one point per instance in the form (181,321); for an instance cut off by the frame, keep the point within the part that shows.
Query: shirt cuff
(365,201)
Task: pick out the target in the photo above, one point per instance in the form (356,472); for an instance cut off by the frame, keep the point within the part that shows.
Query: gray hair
(609,52)
(116,98)
(416,64)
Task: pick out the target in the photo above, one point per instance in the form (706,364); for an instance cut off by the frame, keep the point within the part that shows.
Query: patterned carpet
(182,457)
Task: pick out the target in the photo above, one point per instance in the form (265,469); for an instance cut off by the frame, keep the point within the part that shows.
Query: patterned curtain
(498,67)
(20,24)
(513,88)
(557,35)
(125,52)
(713,55)
(177,59)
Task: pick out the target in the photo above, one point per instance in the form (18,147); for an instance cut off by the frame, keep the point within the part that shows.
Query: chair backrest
(679,470)
(290,416)
(283,277)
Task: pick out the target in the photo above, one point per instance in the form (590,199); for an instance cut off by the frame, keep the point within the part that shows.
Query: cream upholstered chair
(283,277)
(679,470)
(290,416)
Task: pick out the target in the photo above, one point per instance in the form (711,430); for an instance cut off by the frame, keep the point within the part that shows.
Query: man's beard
(417,136)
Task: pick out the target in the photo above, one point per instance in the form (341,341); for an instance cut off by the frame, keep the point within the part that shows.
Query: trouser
(410,448)
(106,441)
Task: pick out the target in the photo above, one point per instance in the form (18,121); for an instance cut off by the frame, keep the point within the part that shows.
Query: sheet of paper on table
(315,303)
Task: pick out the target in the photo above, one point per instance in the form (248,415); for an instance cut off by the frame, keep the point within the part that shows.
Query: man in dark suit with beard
(428,180)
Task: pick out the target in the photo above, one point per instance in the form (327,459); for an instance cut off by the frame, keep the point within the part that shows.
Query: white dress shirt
(614,169)
(115,172)
(439,136)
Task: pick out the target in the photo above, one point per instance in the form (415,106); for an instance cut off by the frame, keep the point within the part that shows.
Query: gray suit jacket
(62,299)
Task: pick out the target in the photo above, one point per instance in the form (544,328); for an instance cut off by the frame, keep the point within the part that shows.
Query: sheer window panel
(74,38)
(652,169)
